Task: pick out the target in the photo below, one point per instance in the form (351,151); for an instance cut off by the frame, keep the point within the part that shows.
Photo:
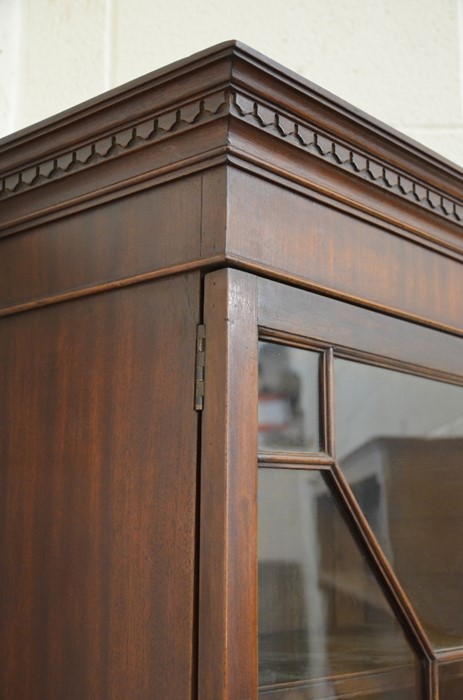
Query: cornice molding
(116,144)
(270,118)
(303,135)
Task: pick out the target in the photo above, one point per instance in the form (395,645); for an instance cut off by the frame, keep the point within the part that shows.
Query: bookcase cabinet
(231,407)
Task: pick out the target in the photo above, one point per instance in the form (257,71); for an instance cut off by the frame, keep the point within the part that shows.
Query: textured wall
(399,60)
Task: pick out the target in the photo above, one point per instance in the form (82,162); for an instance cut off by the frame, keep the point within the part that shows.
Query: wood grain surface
(112,216)
(98,487)
(287,235)
(228,539)
(118,240)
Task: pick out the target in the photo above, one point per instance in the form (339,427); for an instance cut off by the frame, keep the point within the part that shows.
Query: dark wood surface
(129,237)
(265,142)
(276,231)
(228,545)
(333,322)
(98,493)
(451,678)
(293,183)
(301,318)
(111,214)
(113,178)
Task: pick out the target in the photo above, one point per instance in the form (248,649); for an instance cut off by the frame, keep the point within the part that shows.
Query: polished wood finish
(97,571)
(260,143)
(221,189)
(126,239)
(228,571)
(324,249)
(287,311)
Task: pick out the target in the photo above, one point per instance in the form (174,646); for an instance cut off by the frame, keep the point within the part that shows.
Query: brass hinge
(200,366)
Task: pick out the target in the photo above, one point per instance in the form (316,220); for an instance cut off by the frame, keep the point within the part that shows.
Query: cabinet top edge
(236,63)
(223,102)
(121,93)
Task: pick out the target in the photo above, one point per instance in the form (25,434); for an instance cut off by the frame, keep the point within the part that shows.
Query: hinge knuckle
(200,366)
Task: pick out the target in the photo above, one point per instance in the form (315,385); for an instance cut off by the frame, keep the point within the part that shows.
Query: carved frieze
(269,118)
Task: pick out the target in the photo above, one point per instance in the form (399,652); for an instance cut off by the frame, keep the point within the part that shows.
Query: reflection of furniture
(281,419)
(281,631)
(421,528)
(128,520)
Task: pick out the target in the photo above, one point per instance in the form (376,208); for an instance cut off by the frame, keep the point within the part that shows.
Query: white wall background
(399,60)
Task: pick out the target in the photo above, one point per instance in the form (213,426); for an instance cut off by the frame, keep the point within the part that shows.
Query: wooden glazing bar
(352,353)
(449,655)
(327,386)
(275,335)
(295,460)
(295,467)
(343,325)
(397,366)
(387,579)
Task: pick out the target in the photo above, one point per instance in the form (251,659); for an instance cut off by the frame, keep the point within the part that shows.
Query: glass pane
(325,627)
(288,398)
(451,681)
(400,444)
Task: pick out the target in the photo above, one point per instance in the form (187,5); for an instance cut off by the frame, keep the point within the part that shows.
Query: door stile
(227,663)
(432,686)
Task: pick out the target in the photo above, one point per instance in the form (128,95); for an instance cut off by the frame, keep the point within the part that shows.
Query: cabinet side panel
(150,230)
(97,481)
(296,238)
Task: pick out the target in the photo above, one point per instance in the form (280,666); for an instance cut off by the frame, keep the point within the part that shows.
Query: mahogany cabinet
(231,404)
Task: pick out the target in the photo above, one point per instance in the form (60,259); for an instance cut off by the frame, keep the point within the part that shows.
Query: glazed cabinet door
(331,500)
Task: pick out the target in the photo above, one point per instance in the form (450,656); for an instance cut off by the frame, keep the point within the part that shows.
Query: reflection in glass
(288,398)
(400,443)
(325,626)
